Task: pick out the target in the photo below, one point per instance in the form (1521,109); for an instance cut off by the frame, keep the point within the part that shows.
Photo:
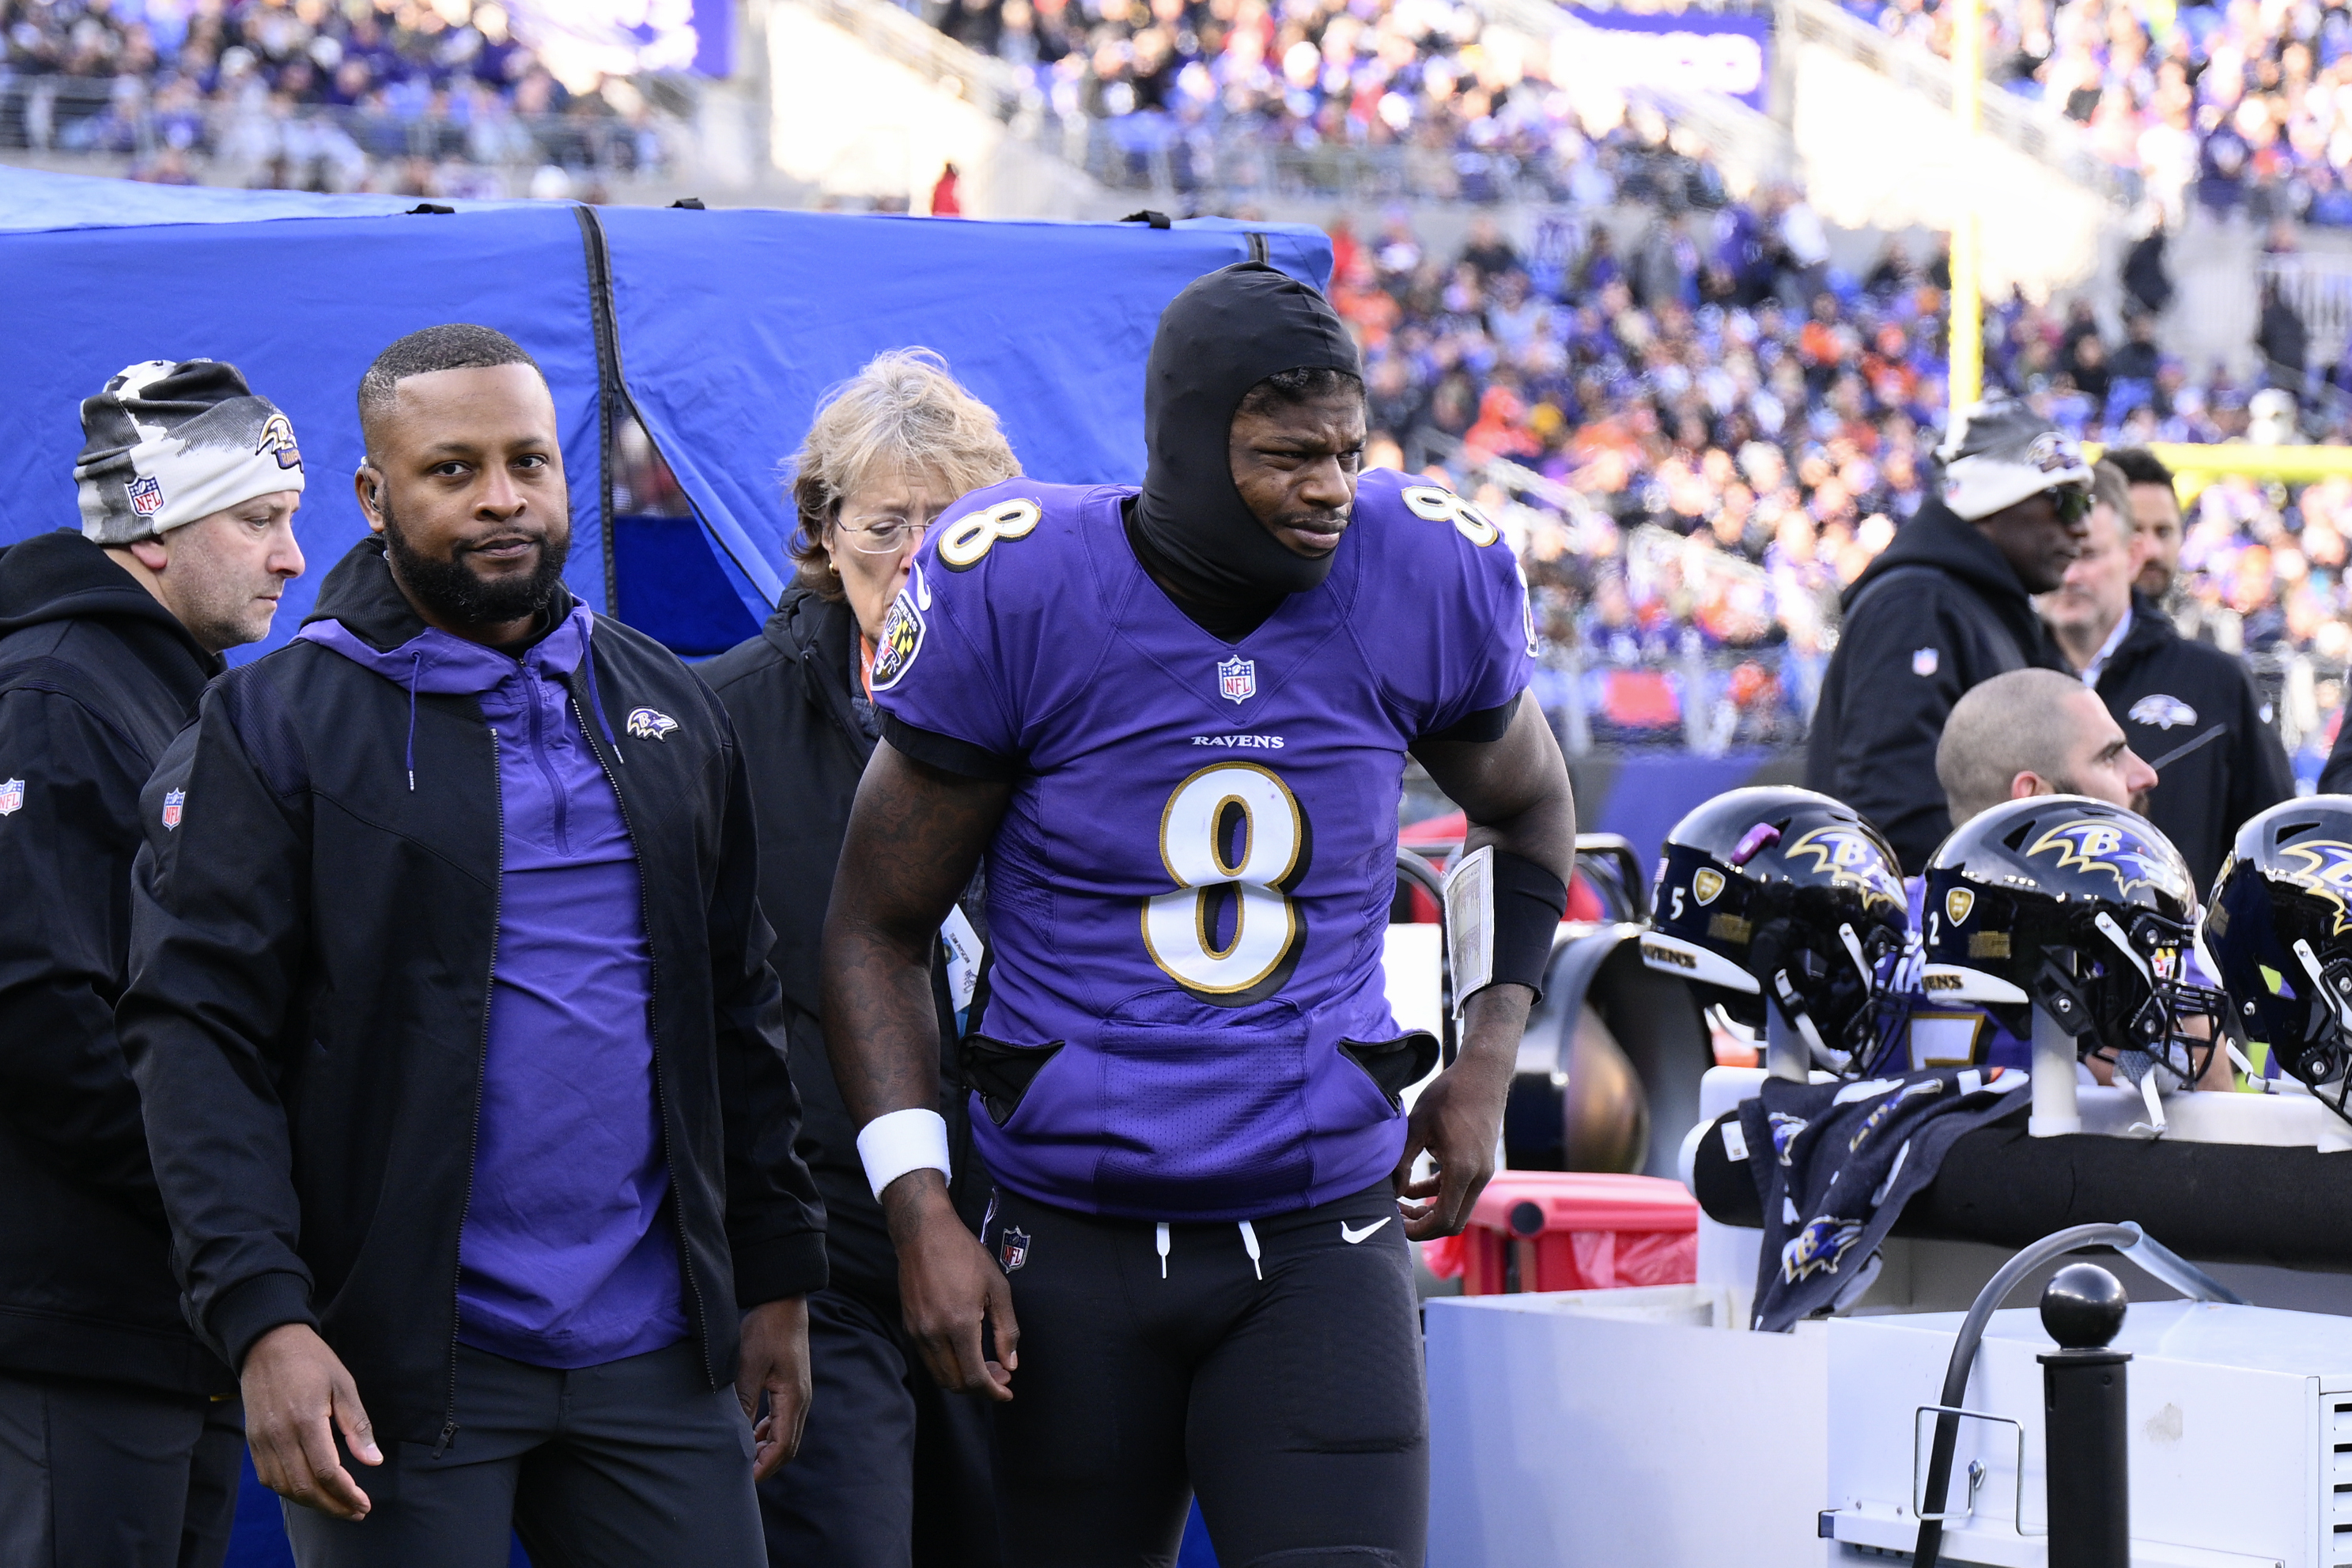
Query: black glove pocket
(1394,1065)
(1000,1073)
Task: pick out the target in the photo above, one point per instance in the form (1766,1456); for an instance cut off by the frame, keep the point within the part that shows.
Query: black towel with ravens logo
(1836,1161)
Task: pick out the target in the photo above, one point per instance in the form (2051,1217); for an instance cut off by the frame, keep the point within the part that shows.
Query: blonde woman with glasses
(892,1471)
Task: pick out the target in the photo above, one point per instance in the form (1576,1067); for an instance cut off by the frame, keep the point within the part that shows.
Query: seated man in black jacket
(893,1469)
(462,1060)
(119,1432)
(1946,606)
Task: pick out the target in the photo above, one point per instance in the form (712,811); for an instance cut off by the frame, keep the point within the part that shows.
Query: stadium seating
(438,100)
(2240,108)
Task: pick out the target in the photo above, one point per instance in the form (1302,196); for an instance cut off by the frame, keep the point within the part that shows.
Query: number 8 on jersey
(1245,808)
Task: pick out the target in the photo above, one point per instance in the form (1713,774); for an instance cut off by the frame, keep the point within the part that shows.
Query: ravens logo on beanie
(2000,452)
(167,442)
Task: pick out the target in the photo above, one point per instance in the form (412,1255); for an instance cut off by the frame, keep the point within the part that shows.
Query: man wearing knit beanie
(119,1432)
(1947,605)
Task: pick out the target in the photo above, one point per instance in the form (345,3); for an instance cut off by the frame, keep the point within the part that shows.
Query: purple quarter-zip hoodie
(566,1260)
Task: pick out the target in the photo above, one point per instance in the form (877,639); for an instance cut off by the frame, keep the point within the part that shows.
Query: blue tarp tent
(717,329)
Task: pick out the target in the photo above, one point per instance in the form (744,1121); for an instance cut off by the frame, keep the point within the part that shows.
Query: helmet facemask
(2122,994)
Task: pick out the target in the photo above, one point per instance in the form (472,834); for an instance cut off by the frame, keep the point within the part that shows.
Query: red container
(1573,1231)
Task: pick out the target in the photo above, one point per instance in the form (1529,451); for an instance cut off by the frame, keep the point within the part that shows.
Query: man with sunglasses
(1948,605)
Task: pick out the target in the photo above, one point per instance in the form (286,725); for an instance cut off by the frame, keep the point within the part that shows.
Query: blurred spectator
(945,202)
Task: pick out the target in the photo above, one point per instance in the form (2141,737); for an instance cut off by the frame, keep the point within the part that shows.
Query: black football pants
(101,1475)
(1292,1403)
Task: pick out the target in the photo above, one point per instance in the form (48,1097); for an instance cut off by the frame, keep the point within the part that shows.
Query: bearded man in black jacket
(1948,605)
(892,1470)
(460,1056)
(119,1431)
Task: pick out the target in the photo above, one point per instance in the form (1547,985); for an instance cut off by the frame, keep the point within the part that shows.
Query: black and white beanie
(2000,452)
(166,444)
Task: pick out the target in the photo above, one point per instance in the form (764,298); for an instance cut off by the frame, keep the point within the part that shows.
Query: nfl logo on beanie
(167,442)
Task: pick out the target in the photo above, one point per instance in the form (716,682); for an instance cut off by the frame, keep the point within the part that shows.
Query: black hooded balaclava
(1226,333)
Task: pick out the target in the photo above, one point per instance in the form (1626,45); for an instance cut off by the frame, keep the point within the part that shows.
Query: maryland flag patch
(901,640)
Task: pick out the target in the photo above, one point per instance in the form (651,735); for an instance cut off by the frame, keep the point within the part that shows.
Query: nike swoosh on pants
(1351,1235)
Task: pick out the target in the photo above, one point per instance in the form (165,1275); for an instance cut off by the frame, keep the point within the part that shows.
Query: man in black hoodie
(119,1432)
(1949,604)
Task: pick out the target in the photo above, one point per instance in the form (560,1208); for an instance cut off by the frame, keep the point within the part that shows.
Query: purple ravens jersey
(1188,897)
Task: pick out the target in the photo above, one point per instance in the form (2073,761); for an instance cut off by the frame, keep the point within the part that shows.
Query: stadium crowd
(428,99)
(2244,108)
(1704,433)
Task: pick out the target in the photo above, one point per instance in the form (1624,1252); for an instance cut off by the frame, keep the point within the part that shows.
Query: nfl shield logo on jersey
(1237,679)
(1013,1250)
(172,800)
(11,795)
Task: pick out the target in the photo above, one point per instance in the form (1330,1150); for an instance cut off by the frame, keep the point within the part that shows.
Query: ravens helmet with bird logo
(1787,895)
(2278,935)
(2081,908)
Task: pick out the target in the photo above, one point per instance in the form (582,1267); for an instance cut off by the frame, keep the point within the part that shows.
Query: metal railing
(2035,130)
(2319,288)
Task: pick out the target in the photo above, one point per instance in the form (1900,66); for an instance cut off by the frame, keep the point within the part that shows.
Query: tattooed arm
(915,834)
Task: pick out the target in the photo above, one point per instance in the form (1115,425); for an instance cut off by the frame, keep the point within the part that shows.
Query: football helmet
(1785,893)
(2078,906)
(2279,939)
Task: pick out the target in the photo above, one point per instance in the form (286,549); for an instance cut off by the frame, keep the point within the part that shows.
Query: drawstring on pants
(1249,1245)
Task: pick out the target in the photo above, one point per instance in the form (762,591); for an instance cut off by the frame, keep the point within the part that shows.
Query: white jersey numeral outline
(1273,844)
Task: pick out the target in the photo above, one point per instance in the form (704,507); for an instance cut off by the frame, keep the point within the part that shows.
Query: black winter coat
(805,747)
(2191,711)
(96,678)
(310,998)
(1940,612)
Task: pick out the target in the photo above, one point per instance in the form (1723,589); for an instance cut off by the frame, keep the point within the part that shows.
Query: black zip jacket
(1939,611)
(2192,712)
(804,748)
(95,677)
(309,1000)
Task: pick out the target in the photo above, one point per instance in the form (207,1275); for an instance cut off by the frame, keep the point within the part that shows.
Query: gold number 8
(970,537)
(1445,507)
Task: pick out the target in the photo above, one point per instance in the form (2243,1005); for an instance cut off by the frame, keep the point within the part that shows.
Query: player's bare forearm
(1514,790)
(915,834)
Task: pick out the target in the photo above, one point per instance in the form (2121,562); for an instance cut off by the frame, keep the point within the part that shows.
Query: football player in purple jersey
(1176,722)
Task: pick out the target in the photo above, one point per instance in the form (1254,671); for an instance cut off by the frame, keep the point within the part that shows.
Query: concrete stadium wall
(858,126)
(1874,156)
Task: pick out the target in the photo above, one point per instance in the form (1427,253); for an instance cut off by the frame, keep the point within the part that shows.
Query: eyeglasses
(883,533)
(2072,503)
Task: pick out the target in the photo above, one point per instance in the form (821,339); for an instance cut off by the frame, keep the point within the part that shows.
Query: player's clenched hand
(296,1393)
(774,1361)
(1459,1116)
(948,1284)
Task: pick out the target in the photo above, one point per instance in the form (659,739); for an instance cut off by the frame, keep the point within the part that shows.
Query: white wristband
(903,1140)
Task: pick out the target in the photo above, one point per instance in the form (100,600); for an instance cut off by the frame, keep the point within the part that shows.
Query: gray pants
(101,1475)
(634,1462)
